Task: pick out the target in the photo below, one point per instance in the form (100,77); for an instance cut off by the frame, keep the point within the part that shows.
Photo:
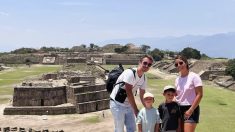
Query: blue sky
(65,23)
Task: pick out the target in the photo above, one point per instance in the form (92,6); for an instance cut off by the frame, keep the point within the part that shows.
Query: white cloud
(2,13)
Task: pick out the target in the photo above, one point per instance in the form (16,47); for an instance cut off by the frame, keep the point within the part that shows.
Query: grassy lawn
(11,77)
(217,106)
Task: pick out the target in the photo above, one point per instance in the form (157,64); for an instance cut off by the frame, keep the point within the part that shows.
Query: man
(122,102)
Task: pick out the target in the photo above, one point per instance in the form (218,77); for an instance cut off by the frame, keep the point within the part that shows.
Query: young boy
(169,111)
(148,118)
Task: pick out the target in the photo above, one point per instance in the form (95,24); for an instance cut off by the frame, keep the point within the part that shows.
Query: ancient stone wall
(39,96)
(89,98)
(76,60)
(37,110)
(122,61)
(205,75)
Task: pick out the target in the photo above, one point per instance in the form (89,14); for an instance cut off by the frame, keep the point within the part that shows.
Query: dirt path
(160,74)
(69,123)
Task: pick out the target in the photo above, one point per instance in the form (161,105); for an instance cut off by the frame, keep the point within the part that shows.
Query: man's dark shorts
(194,118)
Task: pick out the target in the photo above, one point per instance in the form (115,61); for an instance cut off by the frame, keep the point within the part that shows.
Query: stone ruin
(48,60)
(59,93)
(3,67)
(21,129)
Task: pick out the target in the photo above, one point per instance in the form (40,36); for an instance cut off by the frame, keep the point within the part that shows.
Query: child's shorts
(194,118)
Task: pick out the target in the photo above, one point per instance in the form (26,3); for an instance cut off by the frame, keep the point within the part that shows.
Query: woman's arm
(199,94)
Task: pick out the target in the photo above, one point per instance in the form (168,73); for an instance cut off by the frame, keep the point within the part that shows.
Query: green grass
(217,106)
(9,78)
(92,119)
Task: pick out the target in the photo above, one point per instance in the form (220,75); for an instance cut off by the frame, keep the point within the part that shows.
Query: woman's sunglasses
(179,63)
(147,64)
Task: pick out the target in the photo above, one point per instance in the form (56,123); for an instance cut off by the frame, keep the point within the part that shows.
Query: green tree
(191,53)
(145,48)
(24,51)
(83,46)
(28,62)
(123,49)
(205,57)
(92,45)
(157,54)
(230,69)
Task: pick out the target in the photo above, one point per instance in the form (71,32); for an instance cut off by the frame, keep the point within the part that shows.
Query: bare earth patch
(68,123)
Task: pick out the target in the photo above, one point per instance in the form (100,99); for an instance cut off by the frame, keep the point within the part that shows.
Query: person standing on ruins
(189,93)
(122,102)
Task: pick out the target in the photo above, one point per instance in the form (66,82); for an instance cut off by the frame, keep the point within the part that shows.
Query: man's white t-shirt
(185,88)
(128,77)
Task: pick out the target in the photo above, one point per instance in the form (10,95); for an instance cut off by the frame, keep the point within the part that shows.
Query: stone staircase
(90,98)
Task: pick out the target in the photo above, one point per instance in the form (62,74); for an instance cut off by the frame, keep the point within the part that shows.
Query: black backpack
(113,76)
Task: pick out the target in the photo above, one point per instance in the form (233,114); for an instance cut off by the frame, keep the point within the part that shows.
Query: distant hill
(217,45)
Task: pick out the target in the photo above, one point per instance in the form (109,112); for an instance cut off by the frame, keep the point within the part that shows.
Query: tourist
(169,111)
(148,118)
(189,93)
(124,108)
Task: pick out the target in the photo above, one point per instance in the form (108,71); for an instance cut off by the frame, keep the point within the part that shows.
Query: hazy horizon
(65,23)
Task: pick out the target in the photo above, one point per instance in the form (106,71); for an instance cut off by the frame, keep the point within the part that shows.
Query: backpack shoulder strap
(133,70)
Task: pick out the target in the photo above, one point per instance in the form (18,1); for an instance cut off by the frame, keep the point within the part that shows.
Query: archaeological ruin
(64,92)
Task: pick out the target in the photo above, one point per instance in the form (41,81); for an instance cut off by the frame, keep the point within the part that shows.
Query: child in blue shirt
(148,118)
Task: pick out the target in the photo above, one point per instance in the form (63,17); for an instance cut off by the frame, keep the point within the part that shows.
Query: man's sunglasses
(147,64)
(179,63)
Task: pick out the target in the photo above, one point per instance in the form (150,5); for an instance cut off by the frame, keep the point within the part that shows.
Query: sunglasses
(179,63)
(147,64)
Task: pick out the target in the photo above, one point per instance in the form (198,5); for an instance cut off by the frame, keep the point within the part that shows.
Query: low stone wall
(205,75)
(40,110)
(92,106)
(88,98)
(88,88)
(76,60)
(91,96)
(39,96)
(90,79)
(122,61)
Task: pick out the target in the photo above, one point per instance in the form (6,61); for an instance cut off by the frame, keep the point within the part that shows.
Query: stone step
(88,88)
(41,110)
(91,96)
(92,106)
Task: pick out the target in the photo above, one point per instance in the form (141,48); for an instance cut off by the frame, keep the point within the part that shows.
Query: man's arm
(157,128)
(139,128)
(131,98)
(142,95)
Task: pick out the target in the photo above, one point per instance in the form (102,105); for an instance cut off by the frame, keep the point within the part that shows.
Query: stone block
(92,106)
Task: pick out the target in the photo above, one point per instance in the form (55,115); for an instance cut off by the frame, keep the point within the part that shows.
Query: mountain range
(217,45)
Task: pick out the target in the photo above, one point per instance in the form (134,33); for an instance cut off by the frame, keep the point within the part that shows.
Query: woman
(189,94)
